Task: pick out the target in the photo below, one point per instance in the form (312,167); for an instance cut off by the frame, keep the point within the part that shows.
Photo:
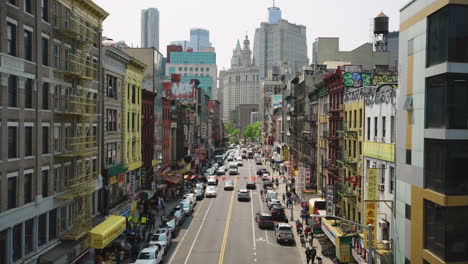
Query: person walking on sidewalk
(284,197)
(308,254)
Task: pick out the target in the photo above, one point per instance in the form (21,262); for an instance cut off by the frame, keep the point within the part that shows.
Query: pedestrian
(284,197)
(307,231)
(313,254)
(308,254)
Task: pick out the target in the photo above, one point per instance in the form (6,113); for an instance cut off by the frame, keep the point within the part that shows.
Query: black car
(261,171)
(199,194)
(251,185)
(267,184)
(278,214)
(264,220)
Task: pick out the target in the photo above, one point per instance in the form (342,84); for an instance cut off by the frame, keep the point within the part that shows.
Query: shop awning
(186,177)
(193,177)
(115,169)
(171,179)
(104,233)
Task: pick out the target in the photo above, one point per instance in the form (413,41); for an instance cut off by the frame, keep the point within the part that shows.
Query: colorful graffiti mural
(360,79)
(182,91)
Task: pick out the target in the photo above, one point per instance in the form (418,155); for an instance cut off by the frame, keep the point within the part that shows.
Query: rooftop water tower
(381,32)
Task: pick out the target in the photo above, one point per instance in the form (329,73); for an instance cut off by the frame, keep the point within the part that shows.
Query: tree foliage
(253,131)
(232,132)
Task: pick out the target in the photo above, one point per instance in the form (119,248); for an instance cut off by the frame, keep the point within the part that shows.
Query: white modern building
(279,43)
(240,83)
(150,28)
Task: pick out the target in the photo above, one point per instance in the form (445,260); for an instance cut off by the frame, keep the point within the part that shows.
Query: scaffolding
(78,106)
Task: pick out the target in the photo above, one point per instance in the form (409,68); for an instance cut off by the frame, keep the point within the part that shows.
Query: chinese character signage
(307,177)
(330,205)
(300,181)
(371,205)
(203,130)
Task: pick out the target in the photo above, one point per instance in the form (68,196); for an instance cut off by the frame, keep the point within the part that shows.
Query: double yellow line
(226,228)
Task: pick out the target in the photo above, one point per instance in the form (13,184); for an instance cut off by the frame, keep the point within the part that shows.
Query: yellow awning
(104,233)
(134,165)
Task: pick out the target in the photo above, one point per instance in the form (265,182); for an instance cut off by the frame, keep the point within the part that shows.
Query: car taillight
(260,220)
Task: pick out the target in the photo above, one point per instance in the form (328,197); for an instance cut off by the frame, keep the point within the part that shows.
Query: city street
(223,230)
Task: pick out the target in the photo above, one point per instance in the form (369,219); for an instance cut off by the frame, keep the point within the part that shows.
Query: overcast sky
(228,21)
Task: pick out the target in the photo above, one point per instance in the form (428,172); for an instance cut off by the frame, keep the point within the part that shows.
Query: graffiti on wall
(372,95)
(384,97)
(182,91)
(361,79)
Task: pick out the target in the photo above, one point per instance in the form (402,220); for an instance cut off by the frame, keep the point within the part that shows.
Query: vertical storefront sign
(307,177)
(371,205)
(285,153)
(300,181)
(330,204)
(291,166)
(131,184)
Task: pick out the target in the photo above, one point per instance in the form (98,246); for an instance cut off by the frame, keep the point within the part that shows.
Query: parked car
(229,185)
(190,197)
(264,220)
(180,215)
(239,161)
(173,225)
(271,194)
(267,184)
(200,185)
(271,202)
(261,171)
(187,207)
(251,155)
(258,161)
(199,194)
(243,195)
(284,233)
(150,255)
(221,170)
(230,158)
(211,191)
(251,185)
(244,156)
(233,170)
(266,176)
(162,237)
(278,213)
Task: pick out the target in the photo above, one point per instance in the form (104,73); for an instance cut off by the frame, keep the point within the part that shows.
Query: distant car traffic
(264,220)
(210,191)
(261,171)
(221,170)
(271,202)
(251,185)
(243,195)
(229,185)
(199,194)
(284,233)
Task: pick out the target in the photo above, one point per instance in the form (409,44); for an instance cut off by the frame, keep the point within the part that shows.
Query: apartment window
(57,99)
(384,124)
(11,39)
(57,51)
(12,190)
(111,120)
(191,68)
(18,238)
(360,118)
(28,236)
(45,51)
(446,99)
(68,175)
(45,96)
(444,162)
(355,119)
(133,121)
(28,191)
(52,224)
(410,46)
(42,228)
(111,150)
(28,93)
(392,129)
(28,6)
(45,139)
(408,156)
(445,232)
(12,2)
(376,127)
(180,68)
(133,94)
(67,137)
(13,141)
(368,128)
(111,86)
(207,69)
(12,91)
(45,10)
(67,59)
(447,36)
(408,211)
(28,45)
(392,180)
(57,138)
(185,68)
(66,19)
(28,141)
(45,183)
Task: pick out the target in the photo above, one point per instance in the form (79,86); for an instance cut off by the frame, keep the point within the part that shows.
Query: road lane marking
(226,228)
(185,233)
(253,216)
(198,232)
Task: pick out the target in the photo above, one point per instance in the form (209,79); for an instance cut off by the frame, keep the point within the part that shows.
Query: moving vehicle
(219,159)
(266,176)
(162,237)
(272,201)
(284,233)
(258,161)
(271,194)
(233,170)
(267,184)
(251,185)
(244,156)
(187,207)
(251,155)
(221,170)
(200,185)
(278,213)
(243,195)
(230,158)
(261,171)
(229,185)
(210,191)
(264,220)
(150,255)
(199,194)
(211,182)
(239,161)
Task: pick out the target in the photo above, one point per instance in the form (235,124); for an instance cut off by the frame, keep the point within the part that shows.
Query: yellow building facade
(322,133)
(132,157)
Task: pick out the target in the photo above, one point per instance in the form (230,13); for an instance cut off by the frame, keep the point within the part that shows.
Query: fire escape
(78,106)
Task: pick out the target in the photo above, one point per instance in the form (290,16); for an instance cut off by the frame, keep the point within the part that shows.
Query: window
(410,46)
(368,128)
(66,19)
(207,69)
(180,68)
(376,130)
(111,86)
(392,180)
(45,10)
(447,36)
(67,59)
(446,99)
(45,183)
(57,99)
(185,68)
(191,68)
(445,233)
(57,137)
(392,129)
(12,2)
(13,141)
(45,96)
(52,224)
(45,139)
(408,211)
(45,51)
(28,191)
(58,186)
(355,119)
(360,118)
(12,190)
(28,141)
(111,116)
(384,124)
(18,238)
(67,137)
(12,91)
(28,93)
(57,52)
(444,160)
(28,45)
(28,6)
(11,39)
(111,150)
(42,228)
(28,236)
(133,94)
(408,156)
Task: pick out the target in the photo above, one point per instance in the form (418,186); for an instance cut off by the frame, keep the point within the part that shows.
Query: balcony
(75,27)
(79,146)
(76,105)
(76,66)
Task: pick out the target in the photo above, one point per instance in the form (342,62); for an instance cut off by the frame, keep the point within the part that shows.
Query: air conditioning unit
(381,187)
(387,244)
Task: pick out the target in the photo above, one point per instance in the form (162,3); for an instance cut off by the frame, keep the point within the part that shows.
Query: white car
(162,237)
(239,161)
(266,176)
(187,207)
(271,202)
(150,255)
(210,191)
(221,170)
(190,197)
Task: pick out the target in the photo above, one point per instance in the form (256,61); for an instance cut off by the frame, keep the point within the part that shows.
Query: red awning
(172,179)
(200,177)
(193,177)
(186,176)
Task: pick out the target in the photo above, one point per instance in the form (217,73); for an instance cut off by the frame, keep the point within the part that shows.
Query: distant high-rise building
(185,44)
(150,28)
(199,39)
(272,48)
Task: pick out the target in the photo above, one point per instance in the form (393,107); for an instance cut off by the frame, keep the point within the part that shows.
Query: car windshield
(266,217)
(320,205)
(284,228)
(198,191)
(210,189)
(186,205)
(159,237)
(146,255)
(229,183)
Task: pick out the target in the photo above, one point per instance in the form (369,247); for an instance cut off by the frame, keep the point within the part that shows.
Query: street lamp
(368,228)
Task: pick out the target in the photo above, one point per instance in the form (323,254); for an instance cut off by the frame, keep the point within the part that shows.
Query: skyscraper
(150,28)
(199,39)
(272,48)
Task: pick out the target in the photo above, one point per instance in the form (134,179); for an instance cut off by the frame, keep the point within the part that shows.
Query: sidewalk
(297,215)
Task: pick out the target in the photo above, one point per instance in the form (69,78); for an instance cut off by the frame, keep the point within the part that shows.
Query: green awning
(115,169)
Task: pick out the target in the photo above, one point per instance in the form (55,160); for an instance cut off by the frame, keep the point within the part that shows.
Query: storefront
(342,242)
(101,237)
(77,252)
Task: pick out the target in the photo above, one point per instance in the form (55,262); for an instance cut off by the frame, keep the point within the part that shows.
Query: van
(317,206)
(271,194)
(233,170)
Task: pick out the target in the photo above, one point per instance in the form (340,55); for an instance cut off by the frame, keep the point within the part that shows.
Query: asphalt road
(223,230)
